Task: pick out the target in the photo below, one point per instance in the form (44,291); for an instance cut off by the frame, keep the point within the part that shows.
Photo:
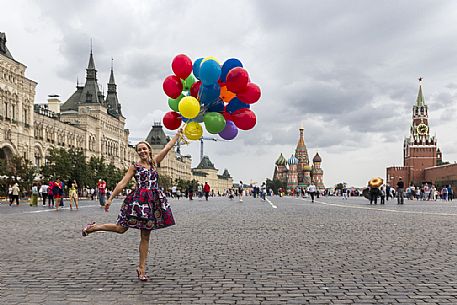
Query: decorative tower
(292,175)
(114,107)
(317,172)
(302,155)
(281,169)
(419,150)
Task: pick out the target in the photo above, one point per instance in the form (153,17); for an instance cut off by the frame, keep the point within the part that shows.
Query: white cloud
(346,70)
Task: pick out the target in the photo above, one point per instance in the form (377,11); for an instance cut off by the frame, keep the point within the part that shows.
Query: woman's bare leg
(107,227)
(76,202)
(144,248)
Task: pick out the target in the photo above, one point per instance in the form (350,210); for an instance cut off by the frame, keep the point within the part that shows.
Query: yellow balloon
(189,107)
(211,57)
(193,131)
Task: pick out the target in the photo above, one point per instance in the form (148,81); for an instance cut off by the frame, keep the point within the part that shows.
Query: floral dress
(146,207)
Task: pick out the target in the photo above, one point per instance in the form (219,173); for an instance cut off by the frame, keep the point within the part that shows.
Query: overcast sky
(347,69)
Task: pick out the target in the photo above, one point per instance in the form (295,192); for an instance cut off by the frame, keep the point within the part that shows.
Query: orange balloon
(226,95)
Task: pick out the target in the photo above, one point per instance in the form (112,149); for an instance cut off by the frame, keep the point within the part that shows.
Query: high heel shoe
(87,227)
(141,277)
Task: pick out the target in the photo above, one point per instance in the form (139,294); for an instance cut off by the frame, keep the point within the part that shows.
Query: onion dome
(293,160)
(281,161)
(307,168)
(317,158)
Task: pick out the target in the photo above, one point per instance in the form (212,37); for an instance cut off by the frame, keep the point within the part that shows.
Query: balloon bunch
(206,92)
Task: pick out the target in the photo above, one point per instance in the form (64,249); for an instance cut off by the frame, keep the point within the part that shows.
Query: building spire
(420,101)
(301,139)
(111,77)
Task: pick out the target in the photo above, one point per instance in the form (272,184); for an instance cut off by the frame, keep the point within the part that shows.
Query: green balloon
(214,122)
(173,103)
(188,82)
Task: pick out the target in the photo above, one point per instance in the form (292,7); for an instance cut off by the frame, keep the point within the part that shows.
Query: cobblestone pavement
(332,251)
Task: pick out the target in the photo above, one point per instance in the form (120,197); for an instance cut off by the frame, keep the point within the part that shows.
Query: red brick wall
(395,172)
(441,174)
(420,158)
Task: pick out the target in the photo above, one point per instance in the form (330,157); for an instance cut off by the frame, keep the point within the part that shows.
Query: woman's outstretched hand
(107,204)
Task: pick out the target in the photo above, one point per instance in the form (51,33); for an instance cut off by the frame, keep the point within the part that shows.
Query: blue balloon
(217,106)
(209,72)
(209,94)
(196,67)
(236,104)
(228,65)
(184,119)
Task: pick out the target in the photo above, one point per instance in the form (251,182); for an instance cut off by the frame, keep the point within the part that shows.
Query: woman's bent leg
(107,227)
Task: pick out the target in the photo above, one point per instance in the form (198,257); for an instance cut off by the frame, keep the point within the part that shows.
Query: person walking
(263,191)
(400,191)
(56,193)
(44,192)
(206,190)
(51,186)
(73,194)
(311,191)
(34,199)
(240,191)
(382,194)
(15,191)
(101,186)
(147,207)
(190,191)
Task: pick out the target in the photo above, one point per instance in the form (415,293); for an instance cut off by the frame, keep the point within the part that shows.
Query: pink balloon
(250,94)
(182,66)
(172,86)
(237,79)
(244,118)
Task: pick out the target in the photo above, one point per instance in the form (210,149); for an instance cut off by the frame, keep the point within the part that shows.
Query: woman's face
(143,151)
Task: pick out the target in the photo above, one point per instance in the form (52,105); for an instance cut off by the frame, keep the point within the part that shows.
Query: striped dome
(281,161)
(293,160)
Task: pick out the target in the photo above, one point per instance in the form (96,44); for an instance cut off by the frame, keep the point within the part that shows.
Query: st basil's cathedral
(296,171)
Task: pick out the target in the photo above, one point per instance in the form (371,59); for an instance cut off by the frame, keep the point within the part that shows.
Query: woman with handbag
(146,208)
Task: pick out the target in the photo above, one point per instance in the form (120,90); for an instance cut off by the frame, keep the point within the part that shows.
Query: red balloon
(227,116)
(195,88)
(250,95)
(172,120)
(182,66)
(172,86)
(244,118)
(237,79)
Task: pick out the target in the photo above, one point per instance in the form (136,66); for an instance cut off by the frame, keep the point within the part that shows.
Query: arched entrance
(6,154)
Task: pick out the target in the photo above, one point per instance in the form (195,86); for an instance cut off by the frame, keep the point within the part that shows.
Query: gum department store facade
(87,120)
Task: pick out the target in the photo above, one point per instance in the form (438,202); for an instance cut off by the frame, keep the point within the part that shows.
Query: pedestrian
(200,191)
(387,191)
(382,194)
(61,192)
(34,199)
(263,191)
(15,191)
(206,190)
(92,193)
(56,193)
(51,186)
(44,192)
(190,191)
(10,193)
(101,186)
(146,208)
(400,191)
(173,191)
(73,194)
(450,193)
(240,191)
(311,191)
(374,193)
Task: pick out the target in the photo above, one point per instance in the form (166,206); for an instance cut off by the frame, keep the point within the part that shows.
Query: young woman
(73,194)
(146,208)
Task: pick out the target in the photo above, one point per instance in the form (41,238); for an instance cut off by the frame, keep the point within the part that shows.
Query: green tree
(165,182)
(275,185)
